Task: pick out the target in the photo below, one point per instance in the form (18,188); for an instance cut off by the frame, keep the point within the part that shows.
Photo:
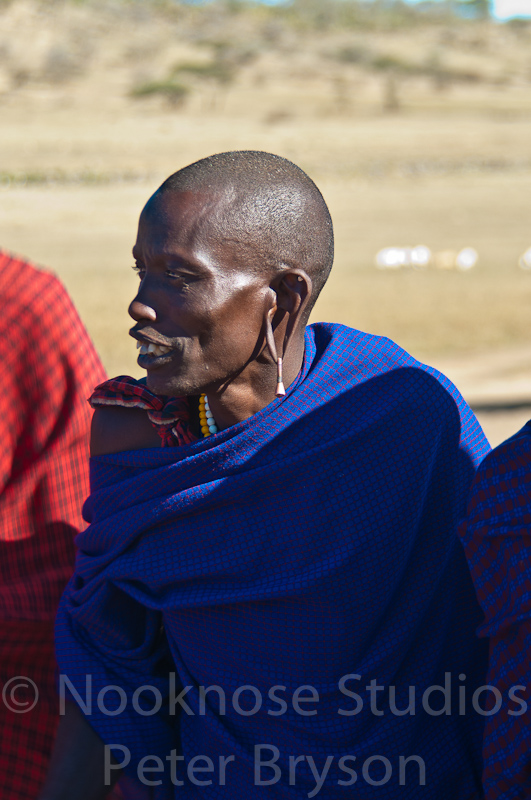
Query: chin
(169,386)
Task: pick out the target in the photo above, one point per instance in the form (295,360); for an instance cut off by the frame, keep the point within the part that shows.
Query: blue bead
(212,428)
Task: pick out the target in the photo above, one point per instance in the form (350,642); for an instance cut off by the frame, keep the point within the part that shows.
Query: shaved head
(268,207)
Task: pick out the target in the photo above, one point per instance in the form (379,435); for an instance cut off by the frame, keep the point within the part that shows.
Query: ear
(289,294)
(293,289)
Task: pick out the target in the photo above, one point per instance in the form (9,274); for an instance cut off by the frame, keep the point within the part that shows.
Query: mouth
(156,350)
(149,348)
(154,354)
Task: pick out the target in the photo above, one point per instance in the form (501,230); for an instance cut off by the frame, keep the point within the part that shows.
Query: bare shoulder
(116,429)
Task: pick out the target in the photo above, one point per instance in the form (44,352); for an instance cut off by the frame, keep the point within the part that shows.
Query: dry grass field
(417,129)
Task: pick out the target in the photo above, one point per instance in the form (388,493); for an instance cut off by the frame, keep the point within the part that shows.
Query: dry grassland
(417,134)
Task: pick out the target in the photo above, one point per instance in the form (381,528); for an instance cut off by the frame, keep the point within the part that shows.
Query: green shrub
(215,70)
(174,92)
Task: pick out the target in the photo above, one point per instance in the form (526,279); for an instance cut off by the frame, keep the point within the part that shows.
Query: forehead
(205,227)
(183,216)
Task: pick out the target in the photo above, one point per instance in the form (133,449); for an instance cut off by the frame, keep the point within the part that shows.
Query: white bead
(209,415)
(212,428)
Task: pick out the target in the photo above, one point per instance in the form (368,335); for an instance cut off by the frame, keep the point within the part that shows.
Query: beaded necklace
(206,417)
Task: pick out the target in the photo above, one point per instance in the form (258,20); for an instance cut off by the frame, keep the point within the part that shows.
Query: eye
(139,270)
(182,279)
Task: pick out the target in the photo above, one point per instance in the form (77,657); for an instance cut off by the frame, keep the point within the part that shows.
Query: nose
(139,311)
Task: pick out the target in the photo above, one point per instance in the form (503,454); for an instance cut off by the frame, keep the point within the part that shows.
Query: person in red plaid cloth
(49,368)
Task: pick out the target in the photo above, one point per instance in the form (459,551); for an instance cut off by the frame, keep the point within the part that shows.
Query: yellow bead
(203,419)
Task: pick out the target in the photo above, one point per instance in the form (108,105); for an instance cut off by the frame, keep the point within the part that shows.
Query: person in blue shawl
(270,600)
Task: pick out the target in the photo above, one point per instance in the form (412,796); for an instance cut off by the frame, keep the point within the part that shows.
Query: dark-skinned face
(196,297)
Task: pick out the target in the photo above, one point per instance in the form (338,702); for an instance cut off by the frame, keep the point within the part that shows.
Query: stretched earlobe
(280,392)
(270,339)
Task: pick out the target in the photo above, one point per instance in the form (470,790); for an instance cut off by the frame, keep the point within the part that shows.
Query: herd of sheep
(421,257)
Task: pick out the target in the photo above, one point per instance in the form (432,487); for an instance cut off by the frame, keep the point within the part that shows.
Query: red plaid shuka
(49,368)
(169,415)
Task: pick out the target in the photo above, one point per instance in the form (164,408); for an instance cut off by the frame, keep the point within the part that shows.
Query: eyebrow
(177,260)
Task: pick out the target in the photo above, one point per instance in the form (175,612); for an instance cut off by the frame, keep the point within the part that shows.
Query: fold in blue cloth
(312,545)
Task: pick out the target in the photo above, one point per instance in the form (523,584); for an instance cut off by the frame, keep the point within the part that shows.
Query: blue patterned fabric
(314,541)
(497,540)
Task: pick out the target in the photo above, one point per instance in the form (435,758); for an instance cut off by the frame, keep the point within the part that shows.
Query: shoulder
(364,357)
(502,487)
(25,284)
(356,359)
(40,313)
(510,459)
(120,420)
(384,376)
(116,429)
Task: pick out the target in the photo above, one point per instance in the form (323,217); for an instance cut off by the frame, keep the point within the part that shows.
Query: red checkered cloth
(49,367)
(169,415)
(26,738)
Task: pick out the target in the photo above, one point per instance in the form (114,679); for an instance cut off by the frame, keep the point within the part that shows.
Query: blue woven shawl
(312,542)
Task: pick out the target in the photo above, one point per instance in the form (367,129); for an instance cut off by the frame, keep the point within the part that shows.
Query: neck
(254,388)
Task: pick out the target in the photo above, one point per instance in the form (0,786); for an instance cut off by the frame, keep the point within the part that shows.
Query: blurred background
(413,118)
